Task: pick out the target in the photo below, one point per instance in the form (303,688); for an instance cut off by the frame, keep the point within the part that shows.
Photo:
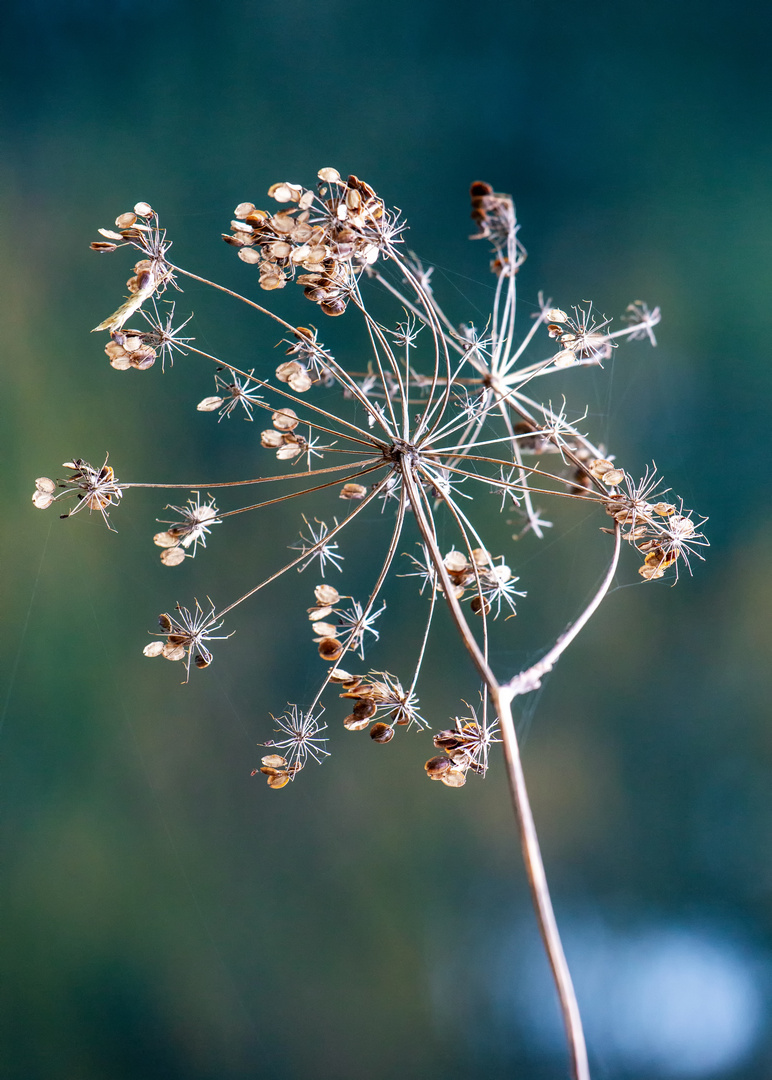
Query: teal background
(167,916)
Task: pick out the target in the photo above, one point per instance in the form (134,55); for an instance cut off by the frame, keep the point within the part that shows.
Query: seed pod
(326,594)
(330,649)
(353,491)
(365,708)
(356,723)
(381,733)
(453,778)
(334,307)
(173,556)
(436,767)
(274,761)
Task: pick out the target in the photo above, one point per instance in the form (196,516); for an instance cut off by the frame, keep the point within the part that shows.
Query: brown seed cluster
(139,229)
(494,215)
(374,695)
(661,532)
(332,235)
(95,489)
(464,747)
(283,437)
(580,337)
(277,770)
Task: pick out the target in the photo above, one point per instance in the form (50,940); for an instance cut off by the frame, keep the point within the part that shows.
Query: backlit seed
(285,419)
(612,477)
(326,594)
(209,404)
(381,733)
(435,767)
(278,781)
(330,649)
(453,778)
(173,556)
(356,723)
(155,648)
(353,491)
(274,761)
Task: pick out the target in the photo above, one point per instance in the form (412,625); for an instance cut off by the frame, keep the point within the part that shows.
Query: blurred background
(165,914)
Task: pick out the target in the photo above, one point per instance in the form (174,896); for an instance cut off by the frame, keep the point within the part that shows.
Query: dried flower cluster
(462,419)
(441,415)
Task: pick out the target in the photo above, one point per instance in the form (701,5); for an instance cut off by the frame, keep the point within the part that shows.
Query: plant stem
(540,894)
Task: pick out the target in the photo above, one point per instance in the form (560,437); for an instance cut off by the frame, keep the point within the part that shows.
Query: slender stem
(540,894)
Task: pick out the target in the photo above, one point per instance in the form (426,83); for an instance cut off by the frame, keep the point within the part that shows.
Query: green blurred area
(165,914)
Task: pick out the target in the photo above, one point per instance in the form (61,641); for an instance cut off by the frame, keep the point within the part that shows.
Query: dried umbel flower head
(95,489)
(439,429)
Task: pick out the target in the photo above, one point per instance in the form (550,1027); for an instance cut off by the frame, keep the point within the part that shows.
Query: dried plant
(441,416)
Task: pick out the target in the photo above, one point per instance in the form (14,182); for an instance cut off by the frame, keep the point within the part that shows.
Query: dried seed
(612,477)
(330,649)
(285,419)
(353,491)
(173,556)
(327,594)
(381,733)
